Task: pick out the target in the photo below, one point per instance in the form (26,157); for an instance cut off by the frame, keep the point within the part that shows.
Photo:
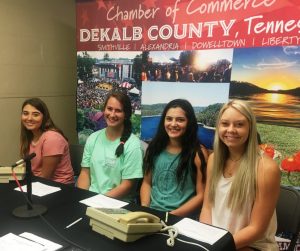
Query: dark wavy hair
(127,108)
(47,124)
(189,142)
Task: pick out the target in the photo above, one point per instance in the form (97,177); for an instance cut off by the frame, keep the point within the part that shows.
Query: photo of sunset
(269,78)
(271,68)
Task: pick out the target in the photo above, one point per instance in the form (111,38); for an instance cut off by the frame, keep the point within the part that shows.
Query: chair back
(76,151)
(288,213)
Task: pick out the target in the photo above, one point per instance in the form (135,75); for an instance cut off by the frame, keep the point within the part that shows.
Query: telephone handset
(138,217)
(122,224)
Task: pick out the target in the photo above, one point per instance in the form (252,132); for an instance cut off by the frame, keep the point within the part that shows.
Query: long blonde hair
(244,185)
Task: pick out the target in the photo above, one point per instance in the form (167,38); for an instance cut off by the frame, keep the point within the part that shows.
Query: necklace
(235,160)
(230,168)
(228,172)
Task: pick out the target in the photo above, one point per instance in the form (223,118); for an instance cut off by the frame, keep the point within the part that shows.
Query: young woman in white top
(242,184)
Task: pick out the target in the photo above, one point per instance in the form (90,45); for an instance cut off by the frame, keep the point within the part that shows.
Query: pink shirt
(52,143)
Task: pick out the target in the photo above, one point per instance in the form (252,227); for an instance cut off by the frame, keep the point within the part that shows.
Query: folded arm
(122,190)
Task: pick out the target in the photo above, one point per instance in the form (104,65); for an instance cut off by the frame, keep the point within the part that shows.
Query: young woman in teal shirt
(175,163)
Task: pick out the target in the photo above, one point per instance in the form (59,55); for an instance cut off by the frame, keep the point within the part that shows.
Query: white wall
(37,59)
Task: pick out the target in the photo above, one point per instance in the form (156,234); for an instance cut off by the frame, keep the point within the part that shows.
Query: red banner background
(186,24)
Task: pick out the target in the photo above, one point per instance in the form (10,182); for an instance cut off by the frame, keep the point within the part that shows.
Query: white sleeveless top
(233,221)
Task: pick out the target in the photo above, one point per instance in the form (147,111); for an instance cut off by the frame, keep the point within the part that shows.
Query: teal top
(167,193)
(106,169)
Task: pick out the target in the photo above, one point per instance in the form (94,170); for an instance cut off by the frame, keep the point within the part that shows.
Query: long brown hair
(26,136)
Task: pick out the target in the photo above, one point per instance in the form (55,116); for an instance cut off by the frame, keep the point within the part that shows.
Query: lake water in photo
(275,108)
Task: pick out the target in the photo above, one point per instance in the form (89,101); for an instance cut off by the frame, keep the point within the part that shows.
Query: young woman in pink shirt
(40,135)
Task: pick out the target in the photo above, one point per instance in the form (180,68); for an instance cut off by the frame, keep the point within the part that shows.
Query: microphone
(29,210)
(26,158)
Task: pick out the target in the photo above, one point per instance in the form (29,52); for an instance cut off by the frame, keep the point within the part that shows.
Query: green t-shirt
(167,193)
(106,169)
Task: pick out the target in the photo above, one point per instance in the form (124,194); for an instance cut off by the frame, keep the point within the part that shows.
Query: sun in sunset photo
(276,86)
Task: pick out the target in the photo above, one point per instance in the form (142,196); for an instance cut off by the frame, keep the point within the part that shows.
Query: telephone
(6,173)
(122,224)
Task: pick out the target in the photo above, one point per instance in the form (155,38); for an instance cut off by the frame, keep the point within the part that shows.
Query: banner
(185,24)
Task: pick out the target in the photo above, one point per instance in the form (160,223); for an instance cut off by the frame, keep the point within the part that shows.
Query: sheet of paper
(280,239)
(11,242)
(48,245)
(199,231)
(100,200)
(40,189)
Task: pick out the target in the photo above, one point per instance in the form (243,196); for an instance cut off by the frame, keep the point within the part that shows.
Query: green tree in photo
(209,115)
(85,66)
(136,123)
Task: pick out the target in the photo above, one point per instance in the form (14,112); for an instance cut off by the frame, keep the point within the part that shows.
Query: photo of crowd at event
(95,80)
(188,67)
(91,94)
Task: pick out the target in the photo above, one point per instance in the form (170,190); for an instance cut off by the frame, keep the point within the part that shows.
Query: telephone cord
(173,233)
